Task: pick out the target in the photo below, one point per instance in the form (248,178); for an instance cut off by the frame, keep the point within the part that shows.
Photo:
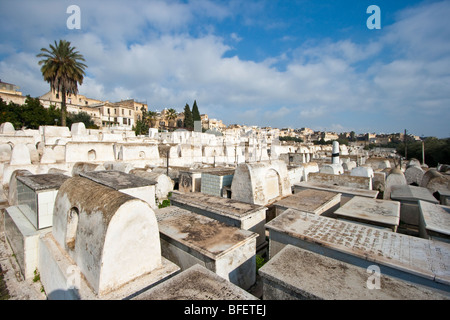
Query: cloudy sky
(271,63)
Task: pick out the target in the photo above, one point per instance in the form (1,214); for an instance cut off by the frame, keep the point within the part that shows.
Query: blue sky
(267,63)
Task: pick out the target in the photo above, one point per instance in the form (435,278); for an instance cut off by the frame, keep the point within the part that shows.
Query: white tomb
(410,258)
(104,244)
(188,238)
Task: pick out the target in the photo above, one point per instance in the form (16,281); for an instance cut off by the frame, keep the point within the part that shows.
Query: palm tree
(63,70)
(171,114)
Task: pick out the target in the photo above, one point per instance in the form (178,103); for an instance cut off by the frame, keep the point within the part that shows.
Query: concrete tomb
(23,237)
(394,178)
(383,213)
(196,283)
(214,182)
(163,184)
(104,244)
(38,193)
(444,196)
(409,197)
(346,192)
(310,200)
(409,258)
(261,183)
(414,175)
(433,180)
(234,213)
(124,182)
(434,221)
(341,180)
(298,274)
(188,238)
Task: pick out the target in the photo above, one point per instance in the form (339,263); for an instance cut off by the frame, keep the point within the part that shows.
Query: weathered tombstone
(325,278)
(188,238)
(7,128)
(111,237)
(196,283)
(20,155)
(383,213)
(5,152)
(309,200)
(409,258)
(395,178)
(124,182)
(48,156)
(414,175)
(231,212)
(434,221)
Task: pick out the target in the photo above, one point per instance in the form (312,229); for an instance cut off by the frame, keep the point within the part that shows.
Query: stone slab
(405,256)
(295,273)
(375,211)
(310,200)
(412,194)
(188,238)
(346,192)
(435,220)
(38,182)
(235,213)
(196,283)
(117,180)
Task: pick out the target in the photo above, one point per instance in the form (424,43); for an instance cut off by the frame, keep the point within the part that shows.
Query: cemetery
(107,215)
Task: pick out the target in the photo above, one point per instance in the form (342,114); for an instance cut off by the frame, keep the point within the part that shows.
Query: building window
(129,111)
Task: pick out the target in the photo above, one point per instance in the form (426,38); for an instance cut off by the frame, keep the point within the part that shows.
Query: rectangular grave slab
(196,283)
(310,200)
(298,274)
(23,238)
(38,192)
(384,213)
(346,192)
(132,185)
(235,213)
(410,258)
(435,221)
(188,238)
(409,197)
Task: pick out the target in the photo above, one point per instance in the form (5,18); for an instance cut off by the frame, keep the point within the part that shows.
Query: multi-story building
(10,93)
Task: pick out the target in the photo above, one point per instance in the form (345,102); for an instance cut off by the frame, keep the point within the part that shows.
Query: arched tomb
(261,182)
(112,237)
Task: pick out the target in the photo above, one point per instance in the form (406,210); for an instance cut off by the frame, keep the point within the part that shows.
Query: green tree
(195,112)
(171,114)
(188,118)
(63,70)
(81,117)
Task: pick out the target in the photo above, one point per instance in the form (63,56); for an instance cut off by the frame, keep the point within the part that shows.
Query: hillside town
(214,212)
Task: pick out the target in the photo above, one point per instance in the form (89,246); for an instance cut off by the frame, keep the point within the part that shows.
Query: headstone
(124,182)
(20,155)
(188,238)
(410,258)
(395,178)
(434,221)
(414,175)
(234,213)
(108,239)
(7,128)
(384,213)
(298,274)
(196,283)
(309,200)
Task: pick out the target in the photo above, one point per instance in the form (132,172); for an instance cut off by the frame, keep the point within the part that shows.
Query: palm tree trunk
(63,107)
